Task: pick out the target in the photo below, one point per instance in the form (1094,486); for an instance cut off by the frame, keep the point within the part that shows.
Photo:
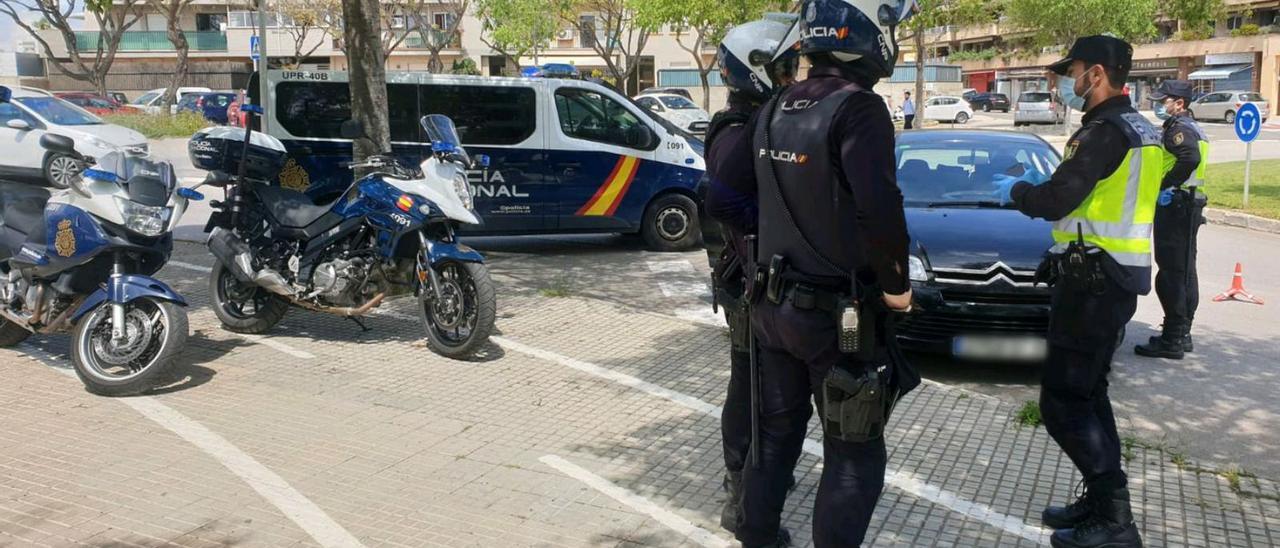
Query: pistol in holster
(1081,268)
(856,405)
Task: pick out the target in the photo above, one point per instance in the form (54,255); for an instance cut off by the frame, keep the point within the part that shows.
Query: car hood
(687,116)
(977,238)
(111,133)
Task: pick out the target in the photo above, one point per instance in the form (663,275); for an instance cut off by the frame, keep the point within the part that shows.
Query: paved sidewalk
(372,436)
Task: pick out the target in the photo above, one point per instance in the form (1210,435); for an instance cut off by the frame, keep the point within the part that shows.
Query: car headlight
(145,220)
(916,270)
(463,189)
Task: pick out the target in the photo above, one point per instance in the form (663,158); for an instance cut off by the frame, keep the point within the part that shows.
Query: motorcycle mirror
(351,129)
(5,94)
(190,194)
(58,143)
(481,161)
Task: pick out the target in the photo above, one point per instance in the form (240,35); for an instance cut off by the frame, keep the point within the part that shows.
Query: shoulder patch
(1178,138)
(1070,149)
(1146,132)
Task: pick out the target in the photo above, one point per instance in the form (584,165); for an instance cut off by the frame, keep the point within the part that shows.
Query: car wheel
(670,223)
(986,108)
(60,170)
(962,118)
(1229,117)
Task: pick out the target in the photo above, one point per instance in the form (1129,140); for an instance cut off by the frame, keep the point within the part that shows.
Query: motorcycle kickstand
(363,328)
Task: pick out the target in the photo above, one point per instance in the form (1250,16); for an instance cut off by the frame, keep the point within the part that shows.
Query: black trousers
(1084,330)
(1177,226)
(797,349)
(735,418)
(908,120)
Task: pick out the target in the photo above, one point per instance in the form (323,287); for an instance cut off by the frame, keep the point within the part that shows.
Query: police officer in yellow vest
(1178,220)
(1102,202)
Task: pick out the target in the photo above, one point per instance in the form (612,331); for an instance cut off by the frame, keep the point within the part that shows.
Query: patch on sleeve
(1070,150)
(1178,138)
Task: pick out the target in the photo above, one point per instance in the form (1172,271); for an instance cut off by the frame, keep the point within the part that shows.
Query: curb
(1241,220)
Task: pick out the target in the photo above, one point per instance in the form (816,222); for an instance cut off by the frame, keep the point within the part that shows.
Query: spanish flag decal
(610,194)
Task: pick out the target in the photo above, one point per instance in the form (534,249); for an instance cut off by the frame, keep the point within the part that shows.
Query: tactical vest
(806,214)
(1197,177)
(1117,215)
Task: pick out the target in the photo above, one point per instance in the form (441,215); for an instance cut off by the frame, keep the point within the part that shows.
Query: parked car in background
(91,102)
(947,109)
(973,261)
(213,106)
(678,110)
(149,102)
(669,90)
(31,113)
(1223,105)
(118,97)
(1037,107)
(987,102)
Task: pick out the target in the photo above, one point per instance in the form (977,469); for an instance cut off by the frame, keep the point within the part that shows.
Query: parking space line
(272,343)
(670,266)
(903,480)
(636,502)
(701,315)
(311,518)
(678,289)
(190,266)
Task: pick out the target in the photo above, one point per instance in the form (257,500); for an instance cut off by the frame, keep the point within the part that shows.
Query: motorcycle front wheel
(461,320)
(155,332)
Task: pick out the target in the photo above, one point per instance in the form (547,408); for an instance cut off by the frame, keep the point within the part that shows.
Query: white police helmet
(853,30)
(754,55)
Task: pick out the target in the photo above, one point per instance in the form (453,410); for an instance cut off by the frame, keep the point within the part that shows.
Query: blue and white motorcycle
(391,233)
(81,259)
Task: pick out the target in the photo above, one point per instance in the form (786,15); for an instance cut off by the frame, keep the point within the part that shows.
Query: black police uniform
(827,194)
(1177,226)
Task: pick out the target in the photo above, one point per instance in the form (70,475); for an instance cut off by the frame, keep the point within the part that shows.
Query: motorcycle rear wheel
(461,322)
(242,307)
(156,332)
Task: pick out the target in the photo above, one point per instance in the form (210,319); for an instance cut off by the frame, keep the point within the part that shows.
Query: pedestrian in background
(908,111)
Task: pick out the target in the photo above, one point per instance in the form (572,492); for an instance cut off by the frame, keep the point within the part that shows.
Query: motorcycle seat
(21,216)
(290,208)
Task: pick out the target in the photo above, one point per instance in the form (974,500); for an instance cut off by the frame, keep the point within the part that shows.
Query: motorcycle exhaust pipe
(233,253)
(16,319)
(272,281)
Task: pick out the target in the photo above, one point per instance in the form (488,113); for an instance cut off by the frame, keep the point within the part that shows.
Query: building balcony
(415,41)
(155,41)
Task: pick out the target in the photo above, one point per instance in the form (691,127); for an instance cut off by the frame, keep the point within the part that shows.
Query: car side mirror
(20,125)
(58,143)
(351,129)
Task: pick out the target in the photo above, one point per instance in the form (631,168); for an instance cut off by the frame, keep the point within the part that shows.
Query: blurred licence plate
(981,347)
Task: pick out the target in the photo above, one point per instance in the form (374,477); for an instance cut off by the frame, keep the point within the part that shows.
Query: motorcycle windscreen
(443,136)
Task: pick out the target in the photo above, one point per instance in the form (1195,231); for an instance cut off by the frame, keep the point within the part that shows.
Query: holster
(856,405)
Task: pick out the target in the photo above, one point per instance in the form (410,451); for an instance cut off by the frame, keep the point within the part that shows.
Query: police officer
(752,68)
(1178,219)
(1102,201)
(832,260)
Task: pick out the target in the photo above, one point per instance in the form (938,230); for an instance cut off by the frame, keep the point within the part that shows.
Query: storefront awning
(1220,72)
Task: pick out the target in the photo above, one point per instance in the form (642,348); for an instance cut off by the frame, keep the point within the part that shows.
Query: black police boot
(732,502)
(1110,525)
(1165,346)
(1071,515)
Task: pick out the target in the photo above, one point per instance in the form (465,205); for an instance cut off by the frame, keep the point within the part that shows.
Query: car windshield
(677,102)
(960,172)
(59,112)
(1034,98)
(145,98)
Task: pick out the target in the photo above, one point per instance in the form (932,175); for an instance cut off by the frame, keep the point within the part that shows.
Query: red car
(91,102)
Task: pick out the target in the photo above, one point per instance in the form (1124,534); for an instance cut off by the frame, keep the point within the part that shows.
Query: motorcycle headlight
(145,220)
(916,270)
(463,189)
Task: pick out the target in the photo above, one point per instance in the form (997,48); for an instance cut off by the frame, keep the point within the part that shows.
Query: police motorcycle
(392,233)
(81,259)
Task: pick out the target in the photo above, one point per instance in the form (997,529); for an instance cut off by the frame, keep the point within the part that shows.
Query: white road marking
(395,315)
(268,484)
(190,266)
(638,503)
(678,289)
(905,481)
(702,315)
(272,343)
(670,266)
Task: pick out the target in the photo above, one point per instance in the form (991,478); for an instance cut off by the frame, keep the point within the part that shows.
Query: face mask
(1161,112)
(1067,88)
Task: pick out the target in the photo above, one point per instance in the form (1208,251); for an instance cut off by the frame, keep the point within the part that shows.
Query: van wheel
(671,223)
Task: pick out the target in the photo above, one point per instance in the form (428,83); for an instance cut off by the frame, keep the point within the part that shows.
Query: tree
(362,36)
(465,66)
(514,27)
(614,33)
(172,12)
(1057,23)
(398,18)
(435,37)
(307,16)
(704,22)
(112,17)
(1196,16)
(933,16)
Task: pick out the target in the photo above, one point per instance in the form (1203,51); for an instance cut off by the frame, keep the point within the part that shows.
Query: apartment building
(1242,54)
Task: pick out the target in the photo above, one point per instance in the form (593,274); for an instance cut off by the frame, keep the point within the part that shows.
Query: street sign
(253,48)
(1248,126)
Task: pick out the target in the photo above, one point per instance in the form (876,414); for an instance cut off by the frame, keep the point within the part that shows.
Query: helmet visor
(895,12)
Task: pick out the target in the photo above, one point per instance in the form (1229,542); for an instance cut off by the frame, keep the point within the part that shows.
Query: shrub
(157,126)
(1248,29)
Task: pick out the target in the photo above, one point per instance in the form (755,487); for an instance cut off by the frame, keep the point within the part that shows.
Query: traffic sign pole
(1248,162)
(1248,125)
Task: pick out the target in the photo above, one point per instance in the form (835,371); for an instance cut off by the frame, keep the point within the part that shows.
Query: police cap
(1108,51)
(1180,89)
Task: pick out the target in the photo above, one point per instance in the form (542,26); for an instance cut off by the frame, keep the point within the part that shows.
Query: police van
(566,156)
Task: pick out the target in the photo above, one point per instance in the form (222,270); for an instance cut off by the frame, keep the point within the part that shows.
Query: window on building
(485,115)
(587,31)
(210,22)
(687,78)
(1235,21)
(591,116)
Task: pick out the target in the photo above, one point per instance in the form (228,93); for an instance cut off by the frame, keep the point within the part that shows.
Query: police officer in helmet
(831,264)
(1102,202)
(1178,219)
(755,60)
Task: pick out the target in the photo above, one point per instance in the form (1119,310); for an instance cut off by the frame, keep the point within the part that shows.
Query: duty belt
(805,296)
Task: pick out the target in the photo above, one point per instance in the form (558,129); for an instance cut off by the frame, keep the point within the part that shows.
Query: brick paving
(403,448)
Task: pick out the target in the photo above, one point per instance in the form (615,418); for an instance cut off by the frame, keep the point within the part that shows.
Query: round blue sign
(1248,122)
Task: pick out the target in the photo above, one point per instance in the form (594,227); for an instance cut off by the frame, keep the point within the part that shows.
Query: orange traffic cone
(1237,291)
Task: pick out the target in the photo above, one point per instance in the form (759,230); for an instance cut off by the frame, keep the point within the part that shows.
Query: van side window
(317,110)
(484,115)
(590,115)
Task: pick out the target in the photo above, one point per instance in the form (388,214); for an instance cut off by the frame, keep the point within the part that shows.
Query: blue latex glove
(1166,197)
(1003,184)
(1034,176)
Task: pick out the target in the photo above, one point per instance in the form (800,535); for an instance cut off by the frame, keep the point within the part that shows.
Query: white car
(149,102)
(948,109)
(31,113)
(678,110)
